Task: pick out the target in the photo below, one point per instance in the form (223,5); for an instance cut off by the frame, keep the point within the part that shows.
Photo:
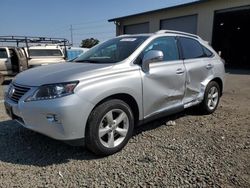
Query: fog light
(52,118)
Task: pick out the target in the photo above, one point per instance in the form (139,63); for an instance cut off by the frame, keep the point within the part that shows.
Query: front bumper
(62,119)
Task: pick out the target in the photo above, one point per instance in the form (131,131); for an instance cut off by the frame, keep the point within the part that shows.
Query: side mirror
(151,56)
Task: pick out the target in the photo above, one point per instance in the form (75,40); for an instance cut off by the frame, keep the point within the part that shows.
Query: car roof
(177,33)
(136,35)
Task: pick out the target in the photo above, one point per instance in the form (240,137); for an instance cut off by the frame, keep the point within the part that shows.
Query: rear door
(198,65)
(5,62)
(163,85)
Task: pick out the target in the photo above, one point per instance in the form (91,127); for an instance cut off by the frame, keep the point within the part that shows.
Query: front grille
(16,92)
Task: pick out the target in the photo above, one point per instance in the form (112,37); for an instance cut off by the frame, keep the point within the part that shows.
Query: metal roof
(157,10)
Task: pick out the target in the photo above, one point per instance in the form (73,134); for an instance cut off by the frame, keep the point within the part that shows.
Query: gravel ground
(194,151)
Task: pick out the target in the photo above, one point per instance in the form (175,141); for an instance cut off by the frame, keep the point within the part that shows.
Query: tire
(211,98)
(109,127)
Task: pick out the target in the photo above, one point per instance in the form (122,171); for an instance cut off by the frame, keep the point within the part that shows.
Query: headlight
(52,91)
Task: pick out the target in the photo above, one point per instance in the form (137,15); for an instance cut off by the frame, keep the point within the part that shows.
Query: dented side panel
(199,71)
(163,87)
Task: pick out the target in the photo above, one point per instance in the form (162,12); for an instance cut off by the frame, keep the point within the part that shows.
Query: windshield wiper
(86,61)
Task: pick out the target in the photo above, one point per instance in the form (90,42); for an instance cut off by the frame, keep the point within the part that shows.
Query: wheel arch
(127,98)
(220,83)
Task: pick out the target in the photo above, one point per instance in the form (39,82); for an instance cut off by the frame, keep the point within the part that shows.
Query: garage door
(185,23)
(136,28)
(230,33)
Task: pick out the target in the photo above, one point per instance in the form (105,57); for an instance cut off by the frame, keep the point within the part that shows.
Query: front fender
(127,82)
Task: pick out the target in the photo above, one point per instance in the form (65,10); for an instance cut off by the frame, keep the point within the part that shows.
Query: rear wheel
(211,98)
(109,127)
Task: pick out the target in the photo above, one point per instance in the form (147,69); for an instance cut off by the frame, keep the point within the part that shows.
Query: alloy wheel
(213,98)
(113,128)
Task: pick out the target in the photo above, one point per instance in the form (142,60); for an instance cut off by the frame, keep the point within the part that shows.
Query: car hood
(57,73)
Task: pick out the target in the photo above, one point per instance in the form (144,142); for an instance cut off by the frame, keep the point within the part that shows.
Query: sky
(53,18)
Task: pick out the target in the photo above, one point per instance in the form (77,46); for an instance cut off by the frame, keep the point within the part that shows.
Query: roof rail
(38,40)
(27,40)
(177,32)
(124,35)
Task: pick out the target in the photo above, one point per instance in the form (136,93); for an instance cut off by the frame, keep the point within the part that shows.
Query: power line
(93,33)
(65,27)
(91,27)
(79,28)
(90,22)
(86,30)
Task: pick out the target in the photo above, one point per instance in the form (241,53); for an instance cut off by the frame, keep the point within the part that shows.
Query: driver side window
(167,45)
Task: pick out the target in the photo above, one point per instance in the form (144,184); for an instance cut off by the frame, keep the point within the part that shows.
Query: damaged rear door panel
(199,67)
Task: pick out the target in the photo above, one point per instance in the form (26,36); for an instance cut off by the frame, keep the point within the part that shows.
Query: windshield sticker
(128,39)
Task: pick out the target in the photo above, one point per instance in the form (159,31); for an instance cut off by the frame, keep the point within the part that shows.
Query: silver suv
(123,82)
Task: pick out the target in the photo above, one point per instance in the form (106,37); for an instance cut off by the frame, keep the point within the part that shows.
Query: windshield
(45,52)
(111,51)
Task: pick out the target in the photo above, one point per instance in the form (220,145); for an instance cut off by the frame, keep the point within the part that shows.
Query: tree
(89,43)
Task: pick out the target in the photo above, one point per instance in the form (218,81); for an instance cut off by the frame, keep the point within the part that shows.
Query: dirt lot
(199,151)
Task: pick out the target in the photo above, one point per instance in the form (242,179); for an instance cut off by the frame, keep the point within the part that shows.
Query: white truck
(34,51)
(44,55)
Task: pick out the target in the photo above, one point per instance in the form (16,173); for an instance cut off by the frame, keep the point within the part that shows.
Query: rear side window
(207,52)
(44,52)
(167,45)
(3,53)
(191,48)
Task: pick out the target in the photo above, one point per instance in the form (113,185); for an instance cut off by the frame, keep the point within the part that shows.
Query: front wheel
(109,127)
(211,98)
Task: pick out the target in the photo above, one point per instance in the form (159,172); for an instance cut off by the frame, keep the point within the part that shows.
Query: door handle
(179,71)
(209,66)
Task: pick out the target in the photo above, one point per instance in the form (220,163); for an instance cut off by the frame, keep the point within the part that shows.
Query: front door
(164,84)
